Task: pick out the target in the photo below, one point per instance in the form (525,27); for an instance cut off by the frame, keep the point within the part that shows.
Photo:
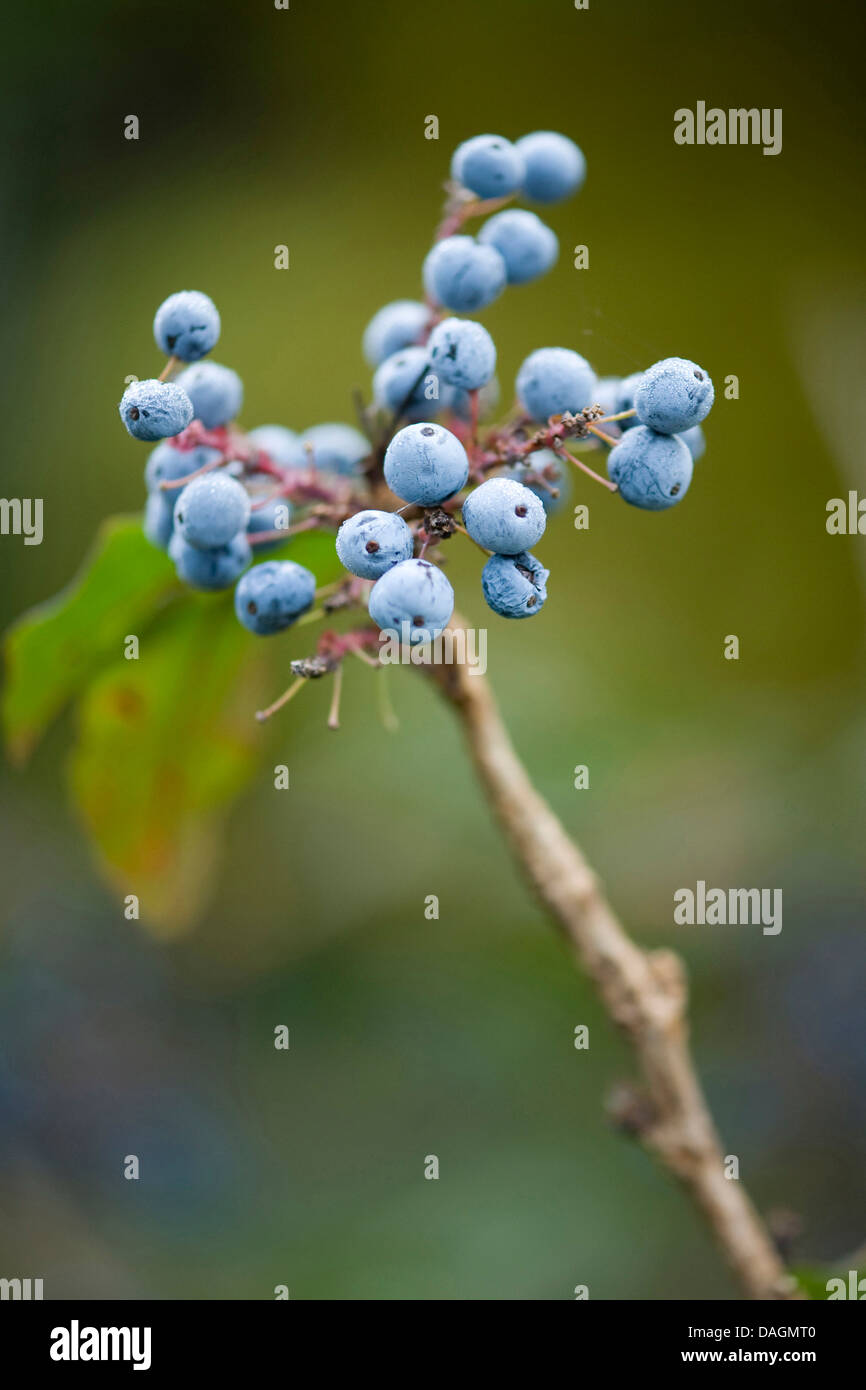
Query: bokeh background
(453,1037)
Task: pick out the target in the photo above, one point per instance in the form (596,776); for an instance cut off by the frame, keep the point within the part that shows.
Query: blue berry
(624,399)
(488,165)
(394,327)
(166,464)
(216,392)
(673,395)
(186,325)
(283,446)
(515,586)
(527,245)
(211,510)
(554,166)
(336,448)
(425,464)
(554,380)
(543,463)
(504,516)
(412,601)
(210,569)
(154,409)
(270,597)
(275,515)
(462,353)
(370,542)
(694,441)
(651,470)
(464,275)
(159,518)
(399,383)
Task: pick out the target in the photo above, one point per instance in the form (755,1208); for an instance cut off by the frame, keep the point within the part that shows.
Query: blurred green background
(451,1037)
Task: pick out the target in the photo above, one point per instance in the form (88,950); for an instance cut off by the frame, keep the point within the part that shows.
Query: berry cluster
(217,494)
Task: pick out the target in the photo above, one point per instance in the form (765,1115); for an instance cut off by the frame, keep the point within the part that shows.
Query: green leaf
(165,743)
(52,651)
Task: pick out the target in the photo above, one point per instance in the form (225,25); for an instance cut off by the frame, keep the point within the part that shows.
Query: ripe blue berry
(425,464)
(394,327)
(186,325)
(695,442)
(527,245)
(211,510)
(154,409)
(412,601)
(270,597)
(159,518)
(462,353)
(370,542)
(553,380)
(216,392)
(464,275)
(166,464)
(336,448)
(543,463)
(515,586)
(555,166)
(282,446)
(651,470)
(400,381)
(504,516)
(210,569)
(673,395)
(488,165)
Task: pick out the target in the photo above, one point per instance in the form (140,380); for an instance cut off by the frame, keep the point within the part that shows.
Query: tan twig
(643,992)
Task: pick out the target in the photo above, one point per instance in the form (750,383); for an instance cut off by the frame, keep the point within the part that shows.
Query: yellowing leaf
(165,743)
